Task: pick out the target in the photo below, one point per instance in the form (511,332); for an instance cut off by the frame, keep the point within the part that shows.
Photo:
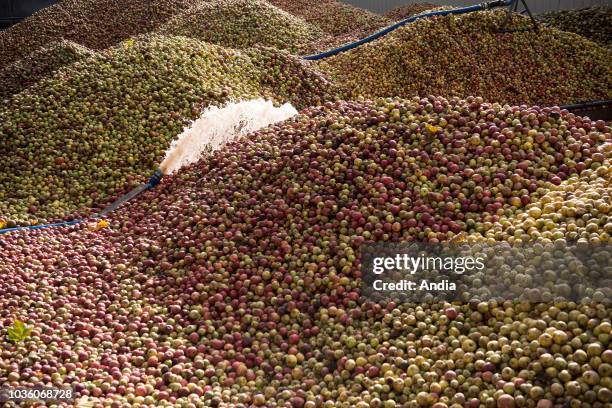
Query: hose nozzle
(153,181)
(155,178)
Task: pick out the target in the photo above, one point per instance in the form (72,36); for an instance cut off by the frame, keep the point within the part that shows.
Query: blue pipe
(350,46)
(153,181)
(43,226)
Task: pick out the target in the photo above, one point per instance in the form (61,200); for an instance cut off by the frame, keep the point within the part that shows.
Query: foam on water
(218,125)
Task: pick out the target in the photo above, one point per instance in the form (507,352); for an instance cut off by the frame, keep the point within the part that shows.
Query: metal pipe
(153,181)
(588,104)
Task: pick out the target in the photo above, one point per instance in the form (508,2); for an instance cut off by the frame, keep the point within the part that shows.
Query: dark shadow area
(13,11)
(603,113)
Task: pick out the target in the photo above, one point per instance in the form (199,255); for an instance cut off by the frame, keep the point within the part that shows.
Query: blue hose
(152,182)
(346,47)
(35,227)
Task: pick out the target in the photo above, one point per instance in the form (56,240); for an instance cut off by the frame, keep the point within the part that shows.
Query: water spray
(215,127)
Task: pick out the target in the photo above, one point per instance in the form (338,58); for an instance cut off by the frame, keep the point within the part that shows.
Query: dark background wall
(537,6)
(12,11)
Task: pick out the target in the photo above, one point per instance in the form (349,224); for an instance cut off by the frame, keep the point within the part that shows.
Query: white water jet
(218,125)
